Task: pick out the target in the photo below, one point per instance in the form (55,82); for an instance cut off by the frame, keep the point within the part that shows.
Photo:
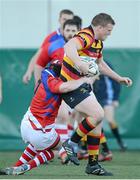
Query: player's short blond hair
(102,19)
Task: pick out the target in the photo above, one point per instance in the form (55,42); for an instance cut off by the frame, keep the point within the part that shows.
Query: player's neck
(95,32)
(61,30)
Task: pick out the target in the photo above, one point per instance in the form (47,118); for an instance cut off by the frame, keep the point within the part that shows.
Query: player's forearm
(71,51)
(33,62)
(106,70)
(71,85)
(37,72)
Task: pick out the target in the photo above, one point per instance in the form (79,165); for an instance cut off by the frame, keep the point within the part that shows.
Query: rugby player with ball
(89,43)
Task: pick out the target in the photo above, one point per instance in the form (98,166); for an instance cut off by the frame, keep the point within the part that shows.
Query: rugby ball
(93,67)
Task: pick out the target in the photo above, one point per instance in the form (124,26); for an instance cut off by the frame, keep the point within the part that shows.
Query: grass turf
(125,165)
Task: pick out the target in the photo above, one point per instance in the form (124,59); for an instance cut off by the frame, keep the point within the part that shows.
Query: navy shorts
(73,98)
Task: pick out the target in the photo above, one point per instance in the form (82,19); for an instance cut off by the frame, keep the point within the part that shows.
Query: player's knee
(100,115)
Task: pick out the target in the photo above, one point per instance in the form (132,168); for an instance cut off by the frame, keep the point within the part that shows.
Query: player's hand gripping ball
(93,67)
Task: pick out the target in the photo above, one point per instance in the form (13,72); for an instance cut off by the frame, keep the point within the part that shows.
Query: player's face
(69,31)
(63,18)
(104,32)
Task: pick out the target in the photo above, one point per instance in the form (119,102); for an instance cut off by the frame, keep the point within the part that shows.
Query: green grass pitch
(125,165)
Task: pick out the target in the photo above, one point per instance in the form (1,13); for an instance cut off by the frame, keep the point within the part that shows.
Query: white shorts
(39,139)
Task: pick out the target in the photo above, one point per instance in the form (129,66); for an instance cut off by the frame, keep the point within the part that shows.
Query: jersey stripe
(89,47)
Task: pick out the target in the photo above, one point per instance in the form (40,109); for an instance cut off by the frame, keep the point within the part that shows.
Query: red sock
(41,158)
(70,130)
(28,154)
(62,130)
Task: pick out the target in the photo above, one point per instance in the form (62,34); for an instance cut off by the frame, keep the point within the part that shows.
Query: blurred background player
(64,15)
(55,50)
(0,89)
(107,92)
(78,20)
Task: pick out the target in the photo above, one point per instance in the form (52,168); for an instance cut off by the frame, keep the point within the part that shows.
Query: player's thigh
(63,113)
(90,107)
(39,139)
(45,140)
(109,113)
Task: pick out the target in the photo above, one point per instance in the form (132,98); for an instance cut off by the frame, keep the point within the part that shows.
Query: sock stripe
(30,151)
(93,147)
(94,135)
(102,139)
(31,147)
(20,161)
(40,158)
(80,133)
(37,161)
(51,153)
(93,152)
(87,125)
(89,122)
(48,155)
(83,128)
(93,143)
(26,157)
(28,154)
(93,140)
(43,157)
(34,163)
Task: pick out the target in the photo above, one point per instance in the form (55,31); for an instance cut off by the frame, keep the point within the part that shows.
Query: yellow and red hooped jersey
(89,47)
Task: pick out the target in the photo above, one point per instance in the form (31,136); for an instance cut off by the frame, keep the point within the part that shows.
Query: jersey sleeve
(43,58)
(58,54)
(56,50)
(54,84)
(85,38)
(48,39)
(100,51)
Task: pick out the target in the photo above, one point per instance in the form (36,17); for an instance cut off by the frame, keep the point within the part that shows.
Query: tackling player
(38,124)
(52,51)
